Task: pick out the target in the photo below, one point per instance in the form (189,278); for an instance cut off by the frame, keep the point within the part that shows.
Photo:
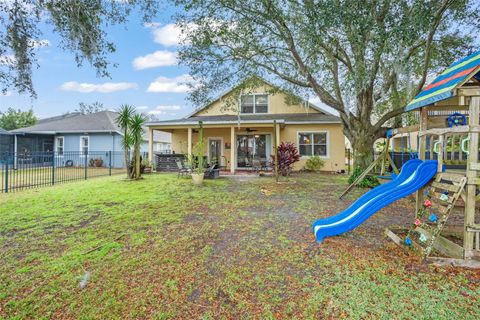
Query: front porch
(235,148)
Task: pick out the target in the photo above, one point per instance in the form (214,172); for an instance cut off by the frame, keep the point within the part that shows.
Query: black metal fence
(20,171)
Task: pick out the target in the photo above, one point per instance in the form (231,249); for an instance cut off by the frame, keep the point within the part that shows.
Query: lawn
(234,248)
(19,179)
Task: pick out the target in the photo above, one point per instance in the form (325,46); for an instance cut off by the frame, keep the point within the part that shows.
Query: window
(59,145)
(84,144)
(312,143)
(254,103)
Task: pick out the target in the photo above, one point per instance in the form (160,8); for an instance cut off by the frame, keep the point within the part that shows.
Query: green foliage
(368,182)
(131,124)
(136,133)
(15,119)
(125,113)
(80,25)
(314,163)
(365,59)
(196,160)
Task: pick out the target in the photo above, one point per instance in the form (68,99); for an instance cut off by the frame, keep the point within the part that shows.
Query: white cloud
(168,107)
(161,112)
(172,85)
(160,58)
(102,88)
(152,24)
(142,108)
(165,110)
(168,35)
(5,94)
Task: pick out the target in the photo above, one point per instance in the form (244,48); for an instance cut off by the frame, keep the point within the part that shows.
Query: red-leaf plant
(287,156)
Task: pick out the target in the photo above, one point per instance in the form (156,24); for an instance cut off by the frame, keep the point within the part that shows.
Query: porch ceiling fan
(250,130)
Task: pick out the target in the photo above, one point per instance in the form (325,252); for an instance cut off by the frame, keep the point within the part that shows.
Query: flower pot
(197,178)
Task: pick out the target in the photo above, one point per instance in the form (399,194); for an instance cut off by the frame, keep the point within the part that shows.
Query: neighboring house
(6,142)
(75,134)
(239,139)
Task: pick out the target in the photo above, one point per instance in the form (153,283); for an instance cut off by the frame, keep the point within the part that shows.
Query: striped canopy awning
(443,86)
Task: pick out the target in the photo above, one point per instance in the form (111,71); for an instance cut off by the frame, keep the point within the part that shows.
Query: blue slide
(415,174)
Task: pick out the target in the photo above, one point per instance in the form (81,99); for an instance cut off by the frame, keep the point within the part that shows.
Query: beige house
(241,136)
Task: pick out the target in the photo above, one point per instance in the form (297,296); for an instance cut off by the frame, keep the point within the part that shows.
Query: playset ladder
(450,185)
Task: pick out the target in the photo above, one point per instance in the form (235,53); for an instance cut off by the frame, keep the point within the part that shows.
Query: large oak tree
(364,58)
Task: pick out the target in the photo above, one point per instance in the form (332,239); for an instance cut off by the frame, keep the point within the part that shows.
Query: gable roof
(313,106)
(444,85)
(3,131)
(103,121)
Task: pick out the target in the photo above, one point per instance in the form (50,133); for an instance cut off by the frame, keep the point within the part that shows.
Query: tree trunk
(362,140)
(127,165)
(137,162)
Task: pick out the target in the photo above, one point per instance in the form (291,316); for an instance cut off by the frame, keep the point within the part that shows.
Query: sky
(147,75)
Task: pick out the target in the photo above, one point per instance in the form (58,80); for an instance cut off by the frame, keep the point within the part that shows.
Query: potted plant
(197,160)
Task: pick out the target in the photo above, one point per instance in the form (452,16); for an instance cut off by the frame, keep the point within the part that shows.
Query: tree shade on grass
(161,248)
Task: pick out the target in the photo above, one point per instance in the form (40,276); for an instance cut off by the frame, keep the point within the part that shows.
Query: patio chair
(212,172)
(182,170)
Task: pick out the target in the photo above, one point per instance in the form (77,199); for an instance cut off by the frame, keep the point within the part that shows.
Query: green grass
(161,248)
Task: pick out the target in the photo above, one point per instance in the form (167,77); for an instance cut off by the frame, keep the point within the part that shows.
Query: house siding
(334,161)
(277,105)
(99,145)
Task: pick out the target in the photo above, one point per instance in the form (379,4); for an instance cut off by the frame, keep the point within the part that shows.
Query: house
(241,136)
(75,134)
(6,142)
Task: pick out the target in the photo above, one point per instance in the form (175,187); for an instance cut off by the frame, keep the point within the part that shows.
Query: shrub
(314,163)
(287,156)
(367,182)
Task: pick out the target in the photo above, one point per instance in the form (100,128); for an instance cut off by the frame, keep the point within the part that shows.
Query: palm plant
(136,131)
(123,120)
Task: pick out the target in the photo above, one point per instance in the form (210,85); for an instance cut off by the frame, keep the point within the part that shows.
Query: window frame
(327,143)
(255,103)
(56,146)
(82,154)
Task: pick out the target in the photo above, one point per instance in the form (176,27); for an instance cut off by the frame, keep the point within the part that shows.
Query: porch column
(232,149)
(189,141)
(150,144)
(277,134)
(471,188)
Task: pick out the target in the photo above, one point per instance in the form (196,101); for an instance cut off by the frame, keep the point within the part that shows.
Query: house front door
(215,150)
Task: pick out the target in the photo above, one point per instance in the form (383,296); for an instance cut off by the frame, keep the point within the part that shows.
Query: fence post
(6,172)
(109,163)
(86,165)
(53,168)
